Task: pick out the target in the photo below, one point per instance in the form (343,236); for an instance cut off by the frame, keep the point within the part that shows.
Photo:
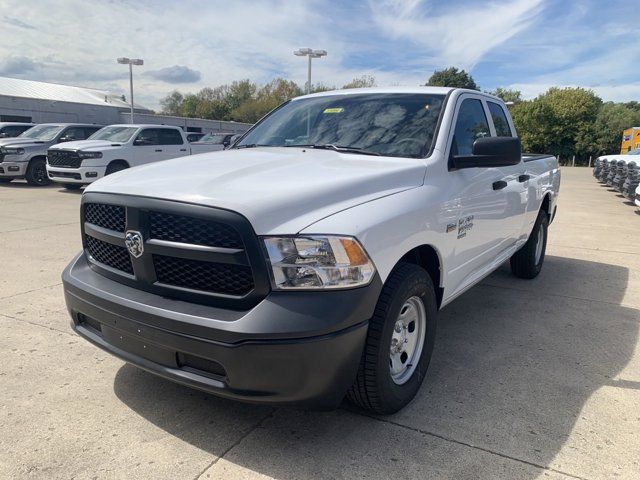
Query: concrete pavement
(529,379)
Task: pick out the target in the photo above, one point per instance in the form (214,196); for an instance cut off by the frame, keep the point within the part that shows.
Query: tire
(37,173)
(527,262)
(71,186)
(5,180)
(375,388)
(114,167)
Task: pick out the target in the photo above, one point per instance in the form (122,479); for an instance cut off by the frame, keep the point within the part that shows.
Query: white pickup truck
(25,156)
(309,261)
(115,148)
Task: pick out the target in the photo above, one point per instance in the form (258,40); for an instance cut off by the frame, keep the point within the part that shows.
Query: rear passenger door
(173,144)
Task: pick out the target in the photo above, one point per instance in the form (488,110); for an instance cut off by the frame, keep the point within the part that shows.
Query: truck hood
(279,190)
(87,145)
(22,142)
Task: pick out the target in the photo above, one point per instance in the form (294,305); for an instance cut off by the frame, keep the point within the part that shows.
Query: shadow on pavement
(515,362)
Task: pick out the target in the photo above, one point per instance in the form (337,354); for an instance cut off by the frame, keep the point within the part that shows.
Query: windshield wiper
(253,145)
(339,148)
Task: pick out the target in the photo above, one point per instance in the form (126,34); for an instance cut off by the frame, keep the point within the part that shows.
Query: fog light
(13,168)
(91,174)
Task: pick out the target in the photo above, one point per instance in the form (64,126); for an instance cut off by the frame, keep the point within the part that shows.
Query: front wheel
(37,173)
(527,262)
(399,342)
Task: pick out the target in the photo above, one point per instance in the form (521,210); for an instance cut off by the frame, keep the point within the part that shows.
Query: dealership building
(40,102)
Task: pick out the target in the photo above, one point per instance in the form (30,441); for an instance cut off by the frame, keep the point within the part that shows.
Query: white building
(40,102)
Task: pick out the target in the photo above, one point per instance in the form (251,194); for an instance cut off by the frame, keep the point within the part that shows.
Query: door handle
(183,149)
(523,178)
(158,150)
(499,185)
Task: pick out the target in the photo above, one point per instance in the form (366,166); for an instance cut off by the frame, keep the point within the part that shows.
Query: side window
(73,133)
(470,125)
(170,136)
(88,131)
(13,130)
(499,120)
(148,136)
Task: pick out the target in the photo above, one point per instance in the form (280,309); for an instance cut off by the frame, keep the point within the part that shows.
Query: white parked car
(112,149)
(310,260)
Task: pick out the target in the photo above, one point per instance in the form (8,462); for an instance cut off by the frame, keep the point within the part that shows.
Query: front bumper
(81,175)
(13,169)
(298,348)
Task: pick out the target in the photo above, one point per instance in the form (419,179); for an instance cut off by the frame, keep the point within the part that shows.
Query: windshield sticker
(334,110)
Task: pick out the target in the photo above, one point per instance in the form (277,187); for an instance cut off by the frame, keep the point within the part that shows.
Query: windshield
(399,125)
(45,133)
(114,134)
(214,138)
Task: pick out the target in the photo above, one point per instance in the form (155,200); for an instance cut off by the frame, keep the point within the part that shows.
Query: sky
(529,45)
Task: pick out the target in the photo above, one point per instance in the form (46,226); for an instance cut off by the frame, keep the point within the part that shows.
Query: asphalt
(529,379)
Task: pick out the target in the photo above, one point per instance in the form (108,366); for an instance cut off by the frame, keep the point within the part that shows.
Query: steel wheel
(407,340)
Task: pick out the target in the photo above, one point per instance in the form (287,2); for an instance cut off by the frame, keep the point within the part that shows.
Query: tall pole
(309,77)
(131,88)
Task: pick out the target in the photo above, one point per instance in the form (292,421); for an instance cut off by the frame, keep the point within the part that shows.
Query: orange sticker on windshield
(334,110)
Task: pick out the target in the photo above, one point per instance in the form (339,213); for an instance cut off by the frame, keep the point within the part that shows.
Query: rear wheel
(37,173)
(527,262)
(71,186)
(399,342)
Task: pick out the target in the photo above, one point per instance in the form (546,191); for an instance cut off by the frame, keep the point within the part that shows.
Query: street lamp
(131,62)
(308,52)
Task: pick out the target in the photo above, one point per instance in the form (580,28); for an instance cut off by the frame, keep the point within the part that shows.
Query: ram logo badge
(134,243)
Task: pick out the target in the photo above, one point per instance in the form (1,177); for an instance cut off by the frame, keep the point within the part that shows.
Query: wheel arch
(120,161)
(545,206)
(427,257)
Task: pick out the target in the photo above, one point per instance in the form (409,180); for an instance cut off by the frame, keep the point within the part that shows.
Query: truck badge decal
(464,225)
(134,243)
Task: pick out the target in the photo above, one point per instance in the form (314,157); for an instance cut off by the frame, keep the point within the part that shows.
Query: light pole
(308,52)
(131,62)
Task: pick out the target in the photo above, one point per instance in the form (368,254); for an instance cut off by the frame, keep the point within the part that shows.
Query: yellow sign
(334,110)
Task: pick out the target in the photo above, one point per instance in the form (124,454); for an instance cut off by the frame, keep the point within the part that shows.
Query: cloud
(16,22)
(175,74)
(461,35)
(18,66)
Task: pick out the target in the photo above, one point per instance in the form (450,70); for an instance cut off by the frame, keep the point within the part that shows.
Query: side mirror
(491,152)
(66,138)
(141,141)
(4,135)
(232,140)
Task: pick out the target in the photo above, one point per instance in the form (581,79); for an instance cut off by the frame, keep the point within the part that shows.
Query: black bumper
(298,348)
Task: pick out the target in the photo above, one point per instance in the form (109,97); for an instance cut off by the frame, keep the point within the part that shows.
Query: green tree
(172,103)
(189,105)
(452,77)
(611,120)
(361,82)
(508,95)
(560,121)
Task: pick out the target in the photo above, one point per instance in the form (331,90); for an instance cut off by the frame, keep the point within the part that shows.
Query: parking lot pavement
(529,379)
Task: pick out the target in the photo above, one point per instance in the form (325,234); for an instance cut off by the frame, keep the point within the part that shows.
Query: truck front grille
(178,228)
(206,276)
(63,159)
(105,216)
(195,253)
(108,254)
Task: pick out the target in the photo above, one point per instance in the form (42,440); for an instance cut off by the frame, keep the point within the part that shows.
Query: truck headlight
(317,262)
(90,154)
(12,151)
